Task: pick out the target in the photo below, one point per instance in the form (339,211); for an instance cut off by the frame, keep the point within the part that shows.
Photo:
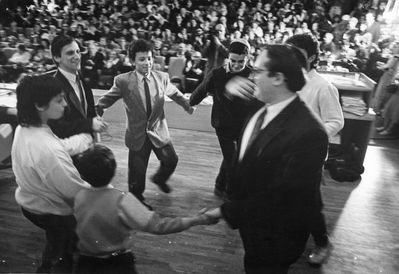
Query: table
(357,129)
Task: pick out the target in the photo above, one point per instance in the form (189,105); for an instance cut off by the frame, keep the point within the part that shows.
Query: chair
(9,52)
(176,67)
(160,62)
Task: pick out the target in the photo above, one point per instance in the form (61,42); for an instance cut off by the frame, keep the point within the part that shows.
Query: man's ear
(278,79)
(40,108)
(311,59)
(57,59)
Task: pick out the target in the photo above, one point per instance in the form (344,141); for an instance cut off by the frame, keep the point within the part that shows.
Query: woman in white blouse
(46,177)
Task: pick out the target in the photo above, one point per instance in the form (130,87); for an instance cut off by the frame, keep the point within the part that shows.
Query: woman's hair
(33,92)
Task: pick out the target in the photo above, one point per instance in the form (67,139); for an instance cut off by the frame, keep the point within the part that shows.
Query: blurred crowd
(353,35)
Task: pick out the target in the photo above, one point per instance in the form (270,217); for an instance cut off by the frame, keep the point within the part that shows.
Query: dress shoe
(319,254)
(147,206)
(380,128)
(163,186)
(218,192)
(385,133)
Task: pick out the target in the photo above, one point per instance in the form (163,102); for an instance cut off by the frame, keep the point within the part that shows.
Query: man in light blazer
(278,165)
(143,92)
(80,114)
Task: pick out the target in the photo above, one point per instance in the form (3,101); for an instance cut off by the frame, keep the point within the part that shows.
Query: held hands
(208,217)
(99,124)
(190,110)
(99,111)
(240,87)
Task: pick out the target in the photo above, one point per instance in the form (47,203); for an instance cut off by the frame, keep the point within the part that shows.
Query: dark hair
(96,165)
(283,59)
(58,43)
(307,42)
(238,48)
(33,91)
(139,45)
(301,55)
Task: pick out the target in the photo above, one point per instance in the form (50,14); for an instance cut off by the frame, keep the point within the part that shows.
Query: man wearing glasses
(278,165)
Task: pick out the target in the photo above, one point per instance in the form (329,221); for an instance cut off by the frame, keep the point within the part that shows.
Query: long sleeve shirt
(323,99)
(46,177)
(105,217)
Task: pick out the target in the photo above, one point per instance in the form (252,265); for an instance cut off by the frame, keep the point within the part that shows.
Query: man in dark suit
(80,114)
(278,165)
(228,113)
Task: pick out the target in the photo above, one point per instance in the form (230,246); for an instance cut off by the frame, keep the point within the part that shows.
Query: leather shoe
(380,128)
(319,254)
(385,132)
(147,206)
(218,192)
(163,186)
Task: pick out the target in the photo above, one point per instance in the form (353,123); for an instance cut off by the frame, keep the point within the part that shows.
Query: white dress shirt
(272,112)
(46,177)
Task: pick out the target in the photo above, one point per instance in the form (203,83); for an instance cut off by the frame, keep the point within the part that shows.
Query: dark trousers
(120,264)
(61,241)
(228,144)
(138,162)
(318,228)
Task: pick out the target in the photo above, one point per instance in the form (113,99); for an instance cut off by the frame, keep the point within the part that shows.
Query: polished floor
(362,216)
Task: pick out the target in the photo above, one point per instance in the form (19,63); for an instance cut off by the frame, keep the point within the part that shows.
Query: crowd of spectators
(351,33)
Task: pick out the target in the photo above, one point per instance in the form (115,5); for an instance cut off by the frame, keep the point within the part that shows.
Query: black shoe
(147,206)
(140,197)
(218,192)
(163,186)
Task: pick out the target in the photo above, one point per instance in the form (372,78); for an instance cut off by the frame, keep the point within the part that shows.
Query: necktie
(147,97)
(81,93)
(257,127)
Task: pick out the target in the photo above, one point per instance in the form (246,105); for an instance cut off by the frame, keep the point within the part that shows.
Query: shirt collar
(70,76)
(141,76)
(280,105)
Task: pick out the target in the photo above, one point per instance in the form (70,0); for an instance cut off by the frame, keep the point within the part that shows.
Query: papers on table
(354,105)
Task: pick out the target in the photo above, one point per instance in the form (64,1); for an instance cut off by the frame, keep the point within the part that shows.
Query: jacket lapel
(70,93)
(269,133)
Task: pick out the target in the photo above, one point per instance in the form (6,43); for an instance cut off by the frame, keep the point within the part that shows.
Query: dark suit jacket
(228,114)
(276,186)
(74,121)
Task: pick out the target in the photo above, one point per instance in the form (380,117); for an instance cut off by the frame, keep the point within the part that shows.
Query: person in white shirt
(323,99)
(46,177)
(106,217)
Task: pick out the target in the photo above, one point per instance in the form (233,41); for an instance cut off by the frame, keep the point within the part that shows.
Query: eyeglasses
(255,70)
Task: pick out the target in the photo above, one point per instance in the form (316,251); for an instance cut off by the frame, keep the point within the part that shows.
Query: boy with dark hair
(322,97)
(228,114)
(143,92)
(105,217)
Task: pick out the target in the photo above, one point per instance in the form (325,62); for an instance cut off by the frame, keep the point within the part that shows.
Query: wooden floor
(362,217)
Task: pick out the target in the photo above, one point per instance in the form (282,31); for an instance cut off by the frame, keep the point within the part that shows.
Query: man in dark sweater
(228,114)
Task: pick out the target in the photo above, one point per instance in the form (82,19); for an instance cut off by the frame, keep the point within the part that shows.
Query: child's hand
(207,219)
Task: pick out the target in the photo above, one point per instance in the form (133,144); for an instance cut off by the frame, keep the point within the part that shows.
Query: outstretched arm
(136,216)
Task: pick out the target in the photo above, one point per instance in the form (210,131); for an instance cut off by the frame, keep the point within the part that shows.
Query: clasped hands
(99,124)
(209,216)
